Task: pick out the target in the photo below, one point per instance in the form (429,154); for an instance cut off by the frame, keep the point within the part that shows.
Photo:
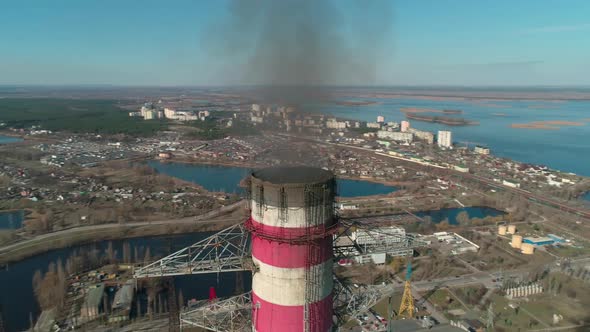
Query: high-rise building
(380,119)
(445,139)
(169,113)
(405,126)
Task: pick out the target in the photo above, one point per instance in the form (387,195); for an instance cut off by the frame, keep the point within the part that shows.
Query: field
(73,115)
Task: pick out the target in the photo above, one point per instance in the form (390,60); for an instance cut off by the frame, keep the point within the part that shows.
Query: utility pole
(389,316)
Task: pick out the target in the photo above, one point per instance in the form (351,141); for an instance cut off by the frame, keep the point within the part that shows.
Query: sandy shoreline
(546,125)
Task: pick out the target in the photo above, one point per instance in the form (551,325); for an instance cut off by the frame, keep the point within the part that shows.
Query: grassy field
(537,311)
(73,115)
(444,301)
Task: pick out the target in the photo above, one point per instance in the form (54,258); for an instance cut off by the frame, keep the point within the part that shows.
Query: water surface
(566,148)
(227,179)
(450,214)
(9,139)
(18,301)
(11,219)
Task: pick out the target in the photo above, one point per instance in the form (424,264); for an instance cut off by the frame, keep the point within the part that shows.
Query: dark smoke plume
(291,49)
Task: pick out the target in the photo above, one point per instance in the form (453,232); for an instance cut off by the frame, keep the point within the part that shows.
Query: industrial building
(92,303)
(122,302)
(538,241)
(444,139)
(556,239)
(453,243)
(289,243)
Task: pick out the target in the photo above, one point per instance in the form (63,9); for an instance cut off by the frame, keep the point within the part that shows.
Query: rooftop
(293,174)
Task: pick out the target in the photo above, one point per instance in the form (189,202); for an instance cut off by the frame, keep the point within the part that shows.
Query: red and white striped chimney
(291,223)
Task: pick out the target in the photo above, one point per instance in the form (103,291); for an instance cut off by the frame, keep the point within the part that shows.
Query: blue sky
(447,42)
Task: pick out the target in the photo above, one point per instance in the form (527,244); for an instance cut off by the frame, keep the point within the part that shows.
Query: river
(566,148)
(11,219)
(18,301)
(227,179)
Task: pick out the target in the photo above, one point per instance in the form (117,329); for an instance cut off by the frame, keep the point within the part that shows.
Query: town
(72,184)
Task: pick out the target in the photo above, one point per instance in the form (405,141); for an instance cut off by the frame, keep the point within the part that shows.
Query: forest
(74,115)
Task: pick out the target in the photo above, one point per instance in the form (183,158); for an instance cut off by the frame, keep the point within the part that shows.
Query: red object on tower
(212,294)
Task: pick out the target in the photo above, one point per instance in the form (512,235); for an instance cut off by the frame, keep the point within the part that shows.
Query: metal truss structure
(350,302)
(225,251)
(229,250)
(232,314)
(404,246)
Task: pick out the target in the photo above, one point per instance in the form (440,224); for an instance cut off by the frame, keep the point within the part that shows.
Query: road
(103,228)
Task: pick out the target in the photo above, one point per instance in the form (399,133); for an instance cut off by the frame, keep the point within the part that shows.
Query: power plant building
(291,225)
(538,241)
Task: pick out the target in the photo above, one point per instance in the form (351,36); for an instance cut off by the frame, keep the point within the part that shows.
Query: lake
(566,148)
(227,179)
(9,139)
(11,219)
(451,213)
(17,299)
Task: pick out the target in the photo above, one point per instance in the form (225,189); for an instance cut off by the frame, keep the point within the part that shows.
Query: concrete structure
(334,124)
(150,115)
(516,241)
(388,235)
(481,150)
(522,291)
(374,125)
(445,139)
(405,125)
(538,241)
(121,307)
(92,303)
(511,229)
(291,225)
(395,136)
(422,135)
(46,322)
(511,184)
(378,259)
(502,230)
(461,168)
(556,238)
(527,248)
(380,119)
(169,113)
